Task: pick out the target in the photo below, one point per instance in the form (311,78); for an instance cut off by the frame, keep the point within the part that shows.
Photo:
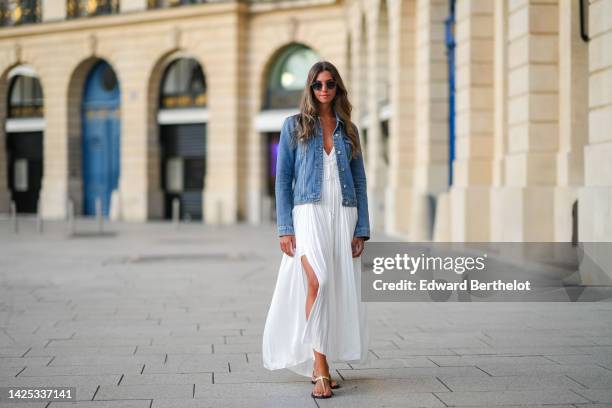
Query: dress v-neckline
(330,152)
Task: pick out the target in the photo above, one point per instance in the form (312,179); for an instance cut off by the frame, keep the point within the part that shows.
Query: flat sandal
(332,386)
(321,377)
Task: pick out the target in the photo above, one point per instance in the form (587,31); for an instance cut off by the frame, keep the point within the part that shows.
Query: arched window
(24,128)
(90,8)
(172,3)
(287,77)
(25,98)
(16,12)
(184,85)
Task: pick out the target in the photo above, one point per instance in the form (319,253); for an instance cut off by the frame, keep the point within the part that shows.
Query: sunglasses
(318,85)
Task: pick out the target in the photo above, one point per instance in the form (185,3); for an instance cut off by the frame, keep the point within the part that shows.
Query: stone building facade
(481,120)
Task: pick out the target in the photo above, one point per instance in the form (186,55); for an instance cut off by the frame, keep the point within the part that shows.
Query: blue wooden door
(101,138)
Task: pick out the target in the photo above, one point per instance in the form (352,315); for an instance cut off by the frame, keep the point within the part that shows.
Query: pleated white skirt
(337,326)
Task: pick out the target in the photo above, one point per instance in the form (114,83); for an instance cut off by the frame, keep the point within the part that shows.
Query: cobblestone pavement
(152,316)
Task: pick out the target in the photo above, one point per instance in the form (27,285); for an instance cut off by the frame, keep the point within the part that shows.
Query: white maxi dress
(337,326)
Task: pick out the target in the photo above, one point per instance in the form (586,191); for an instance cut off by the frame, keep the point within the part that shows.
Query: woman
(322,213)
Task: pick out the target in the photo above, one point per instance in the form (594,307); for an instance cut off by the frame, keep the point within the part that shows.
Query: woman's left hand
(357,246)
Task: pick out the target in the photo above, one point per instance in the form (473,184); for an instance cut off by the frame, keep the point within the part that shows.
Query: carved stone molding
(17,52)
(93,44)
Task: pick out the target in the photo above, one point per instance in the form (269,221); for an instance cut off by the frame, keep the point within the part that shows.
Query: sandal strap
(314,379)
(322,377)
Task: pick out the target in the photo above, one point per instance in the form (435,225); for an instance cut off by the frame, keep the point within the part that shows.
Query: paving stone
(80,351)
(10,371)
(409,352)
(98,359)
(602,340)
(457,361)
(600,380)
(10,362)
(597,396)
(256,363)
(428,340)
(600,359)
(174,349)
(530,382)
(147,391)
(236,348)
(99,342)
(63,380)
(519,351)
(371,395)
(381,373)
(595,350)
(167,378)
(542,369)
(593,406)
(250,339)
(523,397)
(542,341)
(395,363)
(232,402)
(197,363)
(260,376)
(15,351)
(413,384)
(82,370)
(144,403)
(185,341)
(148,332)
(254,395)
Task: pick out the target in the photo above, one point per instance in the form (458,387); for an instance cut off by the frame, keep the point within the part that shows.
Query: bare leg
(320,365)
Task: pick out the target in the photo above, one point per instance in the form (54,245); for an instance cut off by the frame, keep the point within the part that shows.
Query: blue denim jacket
(299,174)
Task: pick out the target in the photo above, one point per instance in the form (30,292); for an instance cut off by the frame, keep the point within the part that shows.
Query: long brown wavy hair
(309,106)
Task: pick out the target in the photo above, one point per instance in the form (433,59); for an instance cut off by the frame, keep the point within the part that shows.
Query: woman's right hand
(287,244)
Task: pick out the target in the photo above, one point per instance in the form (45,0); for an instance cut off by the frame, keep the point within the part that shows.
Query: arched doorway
(24,138)
(285,83)
(100,137)
(182,119)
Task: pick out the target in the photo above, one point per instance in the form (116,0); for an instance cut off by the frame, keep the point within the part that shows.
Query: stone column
(573,117)
(532,122)
(431,137)
(500,117)
(358,69)
(595,199)
(474,121)
(54,189)
(140,195)
(402,124)
(226,122)
(375,167)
